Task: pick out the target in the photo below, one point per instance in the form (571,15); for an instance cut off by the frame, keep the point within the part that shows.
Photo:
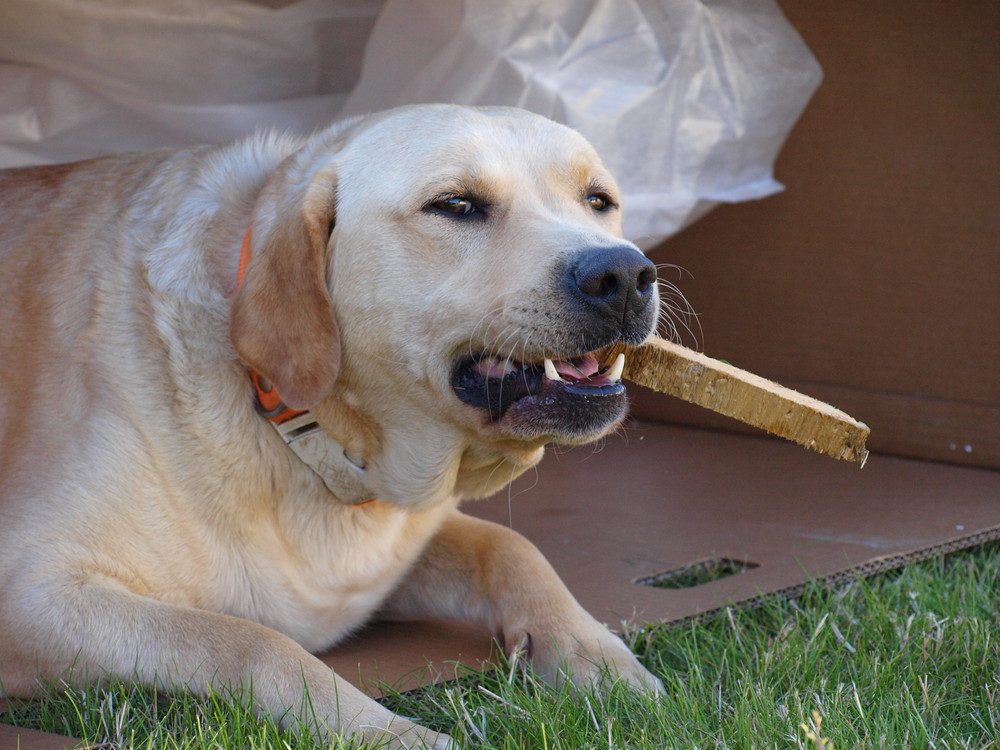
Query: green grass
(907,659)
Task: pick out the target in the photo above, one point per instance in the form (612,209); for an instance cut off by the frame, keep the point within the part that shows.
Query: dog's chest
(319,580)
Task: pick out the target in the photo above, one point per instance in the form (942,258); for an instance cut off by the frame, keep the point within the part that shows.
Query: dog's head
(446,276)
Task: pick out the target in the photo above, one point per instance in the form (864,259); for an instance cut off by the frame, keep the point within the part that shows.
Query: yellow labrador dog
(246,386)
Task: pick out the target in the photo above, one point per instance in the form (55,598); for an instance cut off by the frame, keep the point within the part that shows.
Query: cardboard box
(873,282)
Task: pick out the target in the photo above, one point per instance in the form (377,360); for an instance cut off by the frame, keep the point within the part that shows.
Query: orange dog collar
(345,478)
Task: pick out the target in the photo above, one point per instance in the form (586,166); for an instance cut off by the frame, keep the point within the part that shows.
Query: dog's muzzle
(608,295)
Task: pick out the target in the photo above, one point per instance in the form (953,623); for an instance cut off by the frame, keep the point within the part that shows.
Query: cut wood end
(689,375)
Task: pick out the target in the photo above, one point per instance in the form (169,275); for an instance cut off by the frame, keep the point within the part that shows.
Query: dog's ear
(282,320)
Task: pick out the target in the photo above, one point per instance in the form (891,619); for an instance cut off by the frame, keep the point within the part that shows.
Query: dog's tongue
(580,369)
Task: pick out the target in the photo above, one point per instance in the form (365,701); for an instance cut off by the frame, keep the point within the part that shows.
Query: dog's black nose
(615,281)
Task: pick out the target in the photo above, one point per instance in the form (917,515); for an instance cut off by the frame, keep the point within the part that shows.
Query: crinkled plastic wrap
(80,78)
(688,101)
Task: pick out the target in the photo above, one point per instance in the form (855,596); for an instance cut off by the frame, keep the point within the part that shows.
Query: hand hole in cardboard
(698,573)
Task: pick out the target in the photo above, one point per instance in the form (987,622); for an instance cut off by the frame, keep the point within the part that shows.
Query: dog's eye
(456,206)
(600,201)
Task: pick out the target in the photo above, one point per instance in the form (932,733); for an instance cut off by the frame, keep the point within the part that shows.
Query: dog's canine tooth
(615,373)
(550,370)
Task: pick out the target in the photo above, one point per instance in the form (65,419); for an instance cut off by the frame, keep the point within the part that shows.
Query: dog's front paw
(362,719)
(403,734)
(588,655)
(420,739)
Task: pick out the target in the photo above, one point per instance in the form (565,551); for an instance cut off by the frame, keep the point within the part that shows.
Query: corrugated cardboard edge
(837,579)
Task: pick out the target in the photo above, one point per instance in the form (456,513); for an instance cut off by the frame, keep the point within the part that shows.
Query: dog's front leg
(481,571)
(99,630)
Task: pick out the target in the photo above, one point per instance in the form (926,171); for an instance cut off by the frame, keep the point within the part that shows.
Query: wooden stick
(689,375)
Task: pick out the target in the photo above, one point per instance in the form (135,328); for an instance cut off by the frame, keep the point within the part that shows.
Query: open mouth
(555,385)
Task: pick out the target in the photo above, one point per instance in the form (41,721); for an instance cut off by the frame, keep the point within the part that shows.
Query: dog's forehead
(440,143)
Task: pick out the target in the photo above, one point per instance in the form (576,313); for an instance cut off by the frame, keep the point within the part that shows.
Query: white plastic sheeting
(688,101)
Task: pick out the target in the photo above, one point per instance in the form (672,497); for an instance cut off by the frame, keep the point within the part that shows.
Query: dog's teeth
(550,370)
(615,373)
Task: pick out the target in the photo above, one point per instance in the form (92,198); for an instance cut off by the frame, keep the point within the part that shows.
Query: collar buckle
(326,457)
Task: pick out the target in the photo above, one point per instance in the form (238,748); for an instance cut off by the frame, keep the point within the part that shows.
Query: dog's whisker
(681,271)
(676,314)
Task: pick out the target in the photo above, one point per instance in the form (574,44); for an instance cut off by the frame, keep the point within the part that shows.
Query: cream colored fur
(154,527)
